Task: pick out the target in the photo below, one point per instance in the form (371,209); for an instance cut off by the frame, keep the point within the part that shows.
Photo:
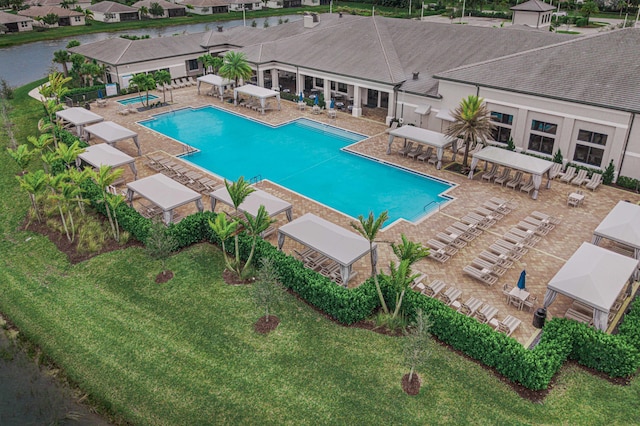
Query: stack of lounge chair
(508,325)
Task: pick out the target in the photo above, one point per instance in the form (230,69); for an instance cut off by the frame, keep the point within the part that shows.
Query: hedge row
(615,355)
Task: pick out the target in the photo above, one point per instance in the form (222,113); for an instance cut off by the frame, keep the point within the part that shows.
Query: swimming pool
(304,156)
(137,99)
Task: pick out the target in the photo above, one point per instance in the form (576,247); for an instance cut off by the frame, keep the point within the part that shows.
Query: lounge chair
(451,239)
(519,248)
(470,229)
(466,236)
(426,154)
(415,152)
(528,226)
(406,149)
(486,313)
(419,287)
(441,247)
(439,255)
(483,275)
(594,182)
(544,216)
(511,205)
(529,238)
(498,208)
(541,224)
(555,171)
(470,307)
(191,80)
(504,176)
(393,126)
(497,259)
(490,266)
(451,295)
(481,222)
(505,251)
(528,186)
(580,178)
(434,289)
(490,214)
(491,173)
(568,175)
(515,181)
(508,325)
(433,160)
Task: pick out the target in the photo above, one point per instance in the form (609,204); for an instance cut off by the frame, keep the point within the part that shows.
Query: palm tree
(369,229)
(472,123)
(144,11)
(143,82)
(163,77)
(206,62)
(62,57)
(255,226)
(68,154)
(104,177)
(589,8)
(407,253)
(22,156)
(235,67)
(33,183)
(156,10)
(238,192)
(224,229)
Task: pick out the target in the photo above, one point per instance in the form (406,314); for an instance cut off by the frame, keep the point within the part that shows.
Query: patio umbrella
(301,98)
(99,94)
(316,100)
(332,105)
(521,280)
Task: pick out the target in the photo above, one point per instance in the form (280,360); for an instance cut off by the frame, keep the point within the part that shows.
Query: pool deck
(541,263)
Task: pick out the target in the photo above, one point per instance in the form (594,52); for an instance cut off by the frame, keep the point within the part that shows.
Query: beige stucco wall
(532,19)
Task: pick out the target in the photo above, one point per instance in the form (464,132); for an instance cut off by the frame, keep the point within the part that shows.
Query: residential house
(66,17)
(109,11)
(15,23)
(171,10)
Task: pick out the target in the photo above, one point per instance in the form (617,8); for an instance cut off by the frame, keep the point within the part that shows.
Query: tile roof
(533,6)
(34,11)
(119,51)
(10,18)
(599,70)
(206,3)
(163,3)
(111,7)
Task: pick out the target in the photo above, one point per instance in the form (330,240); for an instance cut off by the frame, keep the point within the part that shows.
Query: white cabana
(528,164)
(105,155)
(621,225)
(78,117)
(259,92)
(165,193)
(252,203)
(594,276)
(428,137)
(111,133)
(220,84)
(335,242)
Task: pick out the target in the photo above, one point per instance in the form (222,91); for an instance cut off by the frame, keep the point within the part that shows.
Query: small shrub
(557,157)
(510,145)
(608,175)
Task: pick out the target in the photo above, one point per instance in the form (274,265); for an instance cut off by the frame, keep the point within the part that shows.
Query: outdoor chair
(568,175)
(515,181)
(463,235)
(514,247)
(506,290)
(581,178)
(470,307)
(594,182)
(500,250)
(528,186)
(472,229)
(491,173)
(499,208)
(543,216)
(433,289)
(393,126)
(406,149)
(433,160)
(497,259)
(451,239)
(530,303)
(555,171)
(426,155)
(415,152)
(488,213)
(439,255)
(450,296)
(483,275)
(504,176)
(481,222)
(486,313)
(441,247)
(508,325)
(493,268)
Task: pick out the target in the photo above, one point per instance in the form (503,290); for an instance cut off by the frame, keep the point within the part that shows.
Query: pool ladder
(255,179)
(188,149)
(426,207)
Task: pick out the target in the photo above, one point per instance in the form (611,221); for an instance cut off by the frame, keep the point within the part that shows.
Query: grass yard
(185,352)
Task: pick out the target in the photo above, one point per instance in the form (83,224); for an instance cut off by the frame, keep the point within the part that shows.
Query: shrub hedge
(562,339)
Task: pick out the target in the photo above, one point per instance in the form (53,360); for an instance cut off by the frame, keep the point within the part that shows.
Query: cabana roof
(257,91)
(105,155)
(215,80)
(112,132)
(429,137)
(621,225)
(79,116)
(515,160)
(272,204)
(594,276)
(164,191)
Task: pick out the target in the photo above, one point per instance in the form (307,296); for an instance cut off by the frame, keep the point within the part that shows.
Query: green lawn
(185,352)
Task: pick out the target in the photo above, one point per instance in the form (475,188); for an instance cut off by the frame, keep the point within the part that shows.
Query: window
(542,136)
(588,149)
(319,82)
(503,123)
(192,64)
(342,87)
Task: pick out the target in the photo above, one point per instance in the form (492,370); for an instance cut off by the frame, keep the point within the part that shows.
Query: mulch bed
(164,277)
(232,278)
(70,248)
(263,326)
(411,387)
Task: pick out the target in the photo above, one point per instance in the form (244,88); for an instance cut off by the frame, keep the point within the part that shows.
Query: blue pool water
(137,99)
(304,156)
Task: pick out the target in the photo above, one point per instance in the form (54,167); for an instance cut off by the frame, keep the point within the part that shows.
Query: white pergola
(594,276)
(272,204)
(621,225)
(428,137)
(111,133)
(79,117)
(528,164)
(335,242)
(217,82)
(164,192)
(259,92)
(105,155)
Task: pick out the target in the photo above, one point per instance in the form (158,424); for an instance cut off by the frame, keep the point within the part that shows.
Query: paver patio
(541,263)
